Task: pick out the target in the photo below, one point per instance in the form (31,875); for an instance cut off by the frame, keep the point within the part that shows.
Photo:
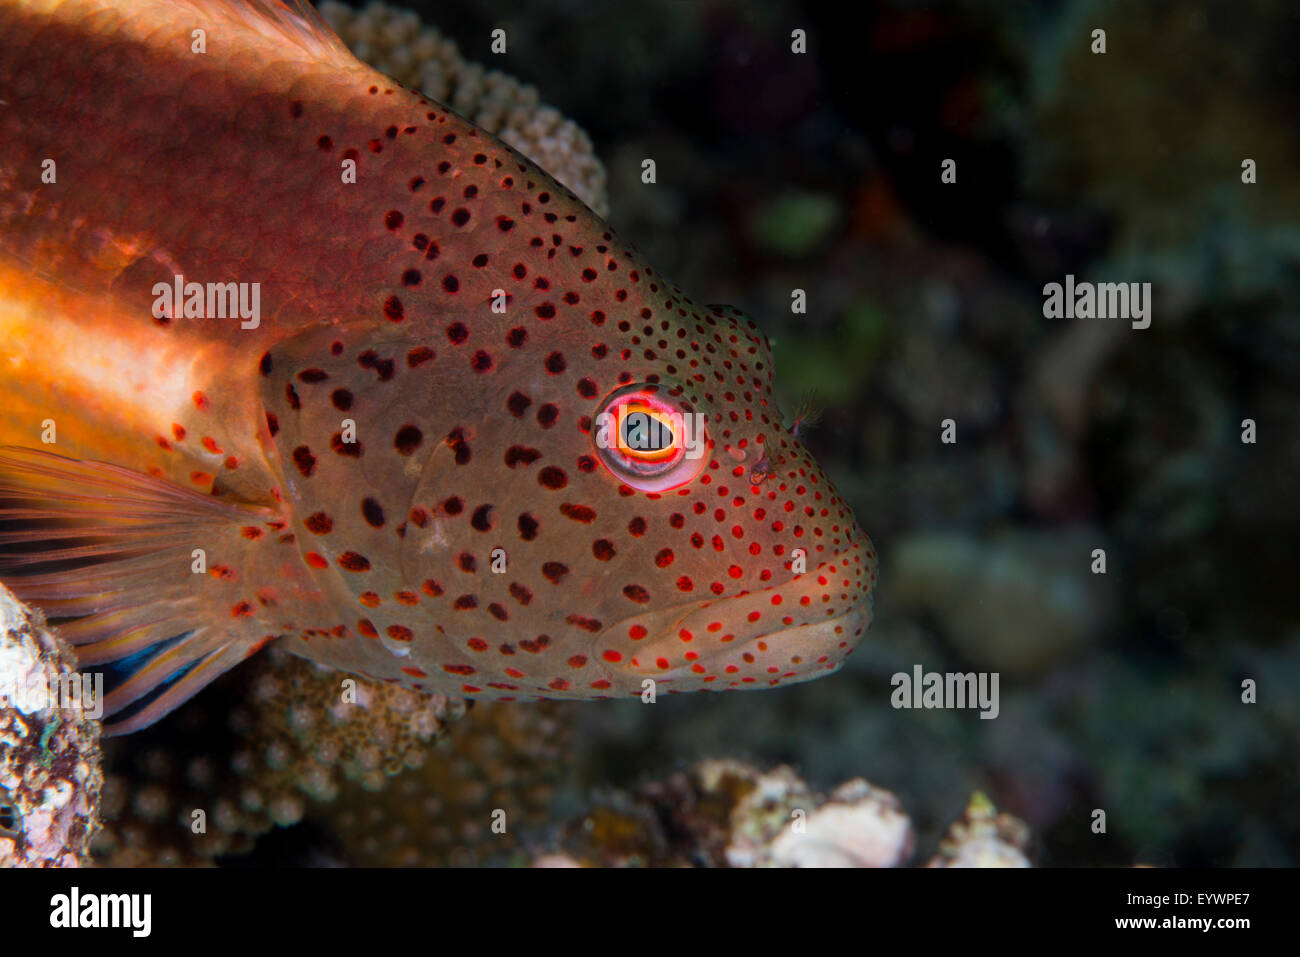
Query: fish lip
(633,675)
(663,638)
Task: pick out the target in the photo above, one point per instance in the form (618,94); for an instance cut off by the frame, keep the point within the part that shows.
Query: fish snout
(794,631)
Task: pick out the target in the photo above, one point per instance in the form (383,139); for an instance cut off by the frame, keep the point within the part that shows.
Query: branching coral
(415,54)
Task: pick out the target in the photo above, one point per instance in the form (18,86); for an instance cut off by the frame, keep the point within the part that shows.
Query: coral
(726,813)
(396,42)
(294,733)
(858,826)
(982,837)
(50,776)
(499,767)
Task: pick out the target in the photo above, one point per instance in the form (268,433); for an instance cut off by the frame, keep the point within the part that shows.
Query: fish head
(567,478)
(629,506)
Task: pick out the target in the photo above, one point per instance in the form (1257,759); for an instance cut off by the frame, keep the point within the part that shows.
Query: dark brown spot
(419,356)
(579,513)
(555,571)
(603,549)
(319,523)
(305,461)
(527,527)
(456,441)
(552,477)
(373,512)
(521,455)
(481,520)
(407,439)
(518,404)
(354,562)
(350,449)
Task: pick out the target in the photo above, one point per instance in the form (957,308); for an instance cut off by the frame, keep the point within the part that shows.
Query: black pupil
(646,433)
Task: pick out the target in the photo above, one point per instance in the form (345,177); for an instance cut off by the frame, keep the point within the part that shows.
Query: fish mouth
(787,633)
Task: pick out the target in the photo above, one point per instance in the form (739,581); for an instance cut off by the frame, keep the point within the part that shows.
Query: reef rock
(50,776)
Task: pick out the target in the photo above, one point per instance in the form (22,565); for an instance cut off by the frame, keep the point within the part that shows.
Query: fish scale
(405,446)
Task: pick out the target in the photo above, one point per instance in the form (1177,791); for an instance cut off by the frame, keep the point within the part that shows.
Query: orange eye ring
(647,441)
(646,432)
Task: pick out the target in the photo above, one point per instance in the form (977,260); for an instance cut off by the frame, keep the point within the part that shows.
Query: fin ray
(106,553)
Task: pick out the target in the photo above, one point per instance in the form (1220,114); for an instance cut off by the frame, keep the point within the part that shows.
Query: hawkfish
(293,354)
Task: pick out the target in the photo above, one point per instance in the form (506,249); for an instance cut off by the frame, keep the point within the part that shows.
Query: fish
(292,354)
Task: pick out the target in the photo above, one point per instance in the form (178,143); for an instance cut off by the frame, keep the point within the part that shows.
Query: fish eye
(648,440)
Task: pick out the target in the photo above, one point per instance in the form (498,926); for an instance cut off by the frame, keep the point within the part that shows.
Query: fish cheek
(347,451)
(475,527)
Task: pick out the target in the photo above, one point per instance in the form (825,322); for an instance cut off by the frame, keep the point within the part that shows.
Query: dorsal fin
(295,21)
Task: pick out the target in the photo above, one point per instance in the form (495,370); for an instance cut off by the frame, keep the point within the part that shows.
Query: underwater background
(820,172)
